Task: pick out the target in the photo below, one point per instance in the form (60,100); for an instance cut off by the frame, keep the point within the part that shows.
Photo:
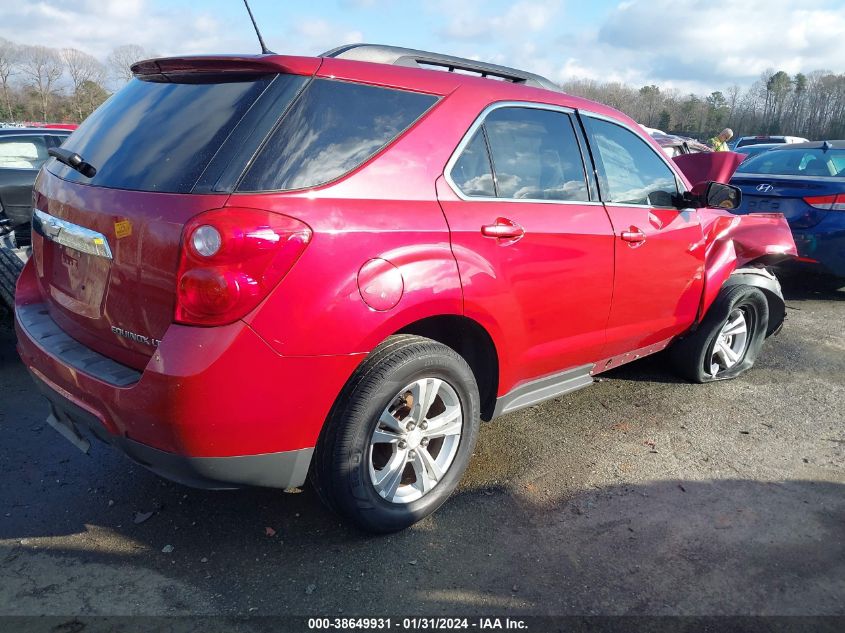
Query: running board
(537,391)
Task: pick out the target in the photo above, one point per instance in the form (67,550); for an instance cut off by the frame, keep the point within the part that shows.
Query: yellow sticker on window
(122,229)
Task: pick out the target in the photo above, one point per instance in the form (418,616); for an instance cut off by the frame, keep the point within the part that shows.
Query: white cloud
(688,45)
(98,26)
(724,39)
(474,20)
(322,35)
(691,45)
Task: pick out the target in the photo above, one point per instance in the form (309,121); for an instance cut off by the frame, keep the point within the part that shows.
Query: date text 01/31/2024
(415,624)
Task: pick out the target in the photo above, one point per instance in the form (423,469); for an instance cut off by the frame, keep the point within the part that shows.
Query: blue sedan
(806,183)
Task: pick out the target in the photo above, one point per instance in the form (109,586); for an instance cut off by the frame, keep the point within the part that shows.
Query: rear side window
(159,135)
(630,171)
(22,152)
(330,130)
(533,153)
(796,162)
(472,173)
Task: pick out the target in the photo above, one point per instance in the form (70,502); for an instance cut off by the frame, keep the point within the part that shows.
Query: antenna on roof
(264,48)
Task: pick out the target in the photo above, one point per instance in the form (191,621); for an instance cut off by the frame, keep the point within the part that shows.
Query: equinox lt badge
(132,336)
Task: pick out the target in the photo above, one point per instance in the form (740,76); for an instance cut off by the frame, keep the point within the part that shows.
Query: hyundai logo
(764,188)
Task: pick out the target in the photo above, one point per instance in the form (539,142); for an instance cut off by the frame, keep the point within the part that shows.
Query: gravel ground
(639,495)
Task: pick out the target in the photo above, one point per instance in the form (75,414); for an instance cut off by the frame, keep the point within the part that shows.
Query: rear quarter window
(332,128)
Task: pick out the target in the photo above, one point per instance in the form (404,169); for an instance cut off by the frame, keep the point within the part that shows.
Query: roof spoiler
(226,63)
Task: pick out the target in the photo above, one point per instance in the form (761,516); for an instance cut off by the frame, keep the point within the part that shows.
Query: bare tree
(9,57)
(121,59)
(43,67)
(82,68)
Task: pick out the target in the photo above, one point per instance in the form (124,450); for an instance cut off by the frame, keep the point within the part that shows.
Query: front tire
(727,341)
(400,435)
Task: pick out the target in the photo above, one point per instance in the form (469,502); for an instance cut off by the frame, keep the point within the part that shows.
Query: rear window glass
(160,135)
(796,162)
(22,152)
(331,129)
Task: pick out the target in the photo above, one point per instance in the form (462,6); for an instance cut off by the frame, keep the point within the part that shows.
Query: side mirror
(722,196)
(711,194)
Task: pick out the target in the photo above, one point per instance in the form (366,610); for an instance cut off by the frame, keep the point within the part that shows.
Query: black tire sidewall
(358,498)
(691,355)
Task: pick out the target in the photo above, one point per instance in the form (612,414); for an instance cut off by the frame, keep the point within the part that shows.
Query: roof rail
(399,56)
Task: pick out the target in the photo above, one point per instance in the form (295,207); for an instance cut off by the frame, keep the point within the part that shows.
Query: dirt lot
(639,495)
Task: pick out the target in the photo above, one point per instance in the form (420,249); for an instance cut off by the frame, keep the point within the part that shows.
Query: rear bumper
(214,407)
(822,248)
(274,470)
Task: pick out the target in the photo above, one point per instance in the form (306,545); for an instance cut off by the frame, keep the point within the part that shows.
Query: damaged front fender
(736,247)
(734,243)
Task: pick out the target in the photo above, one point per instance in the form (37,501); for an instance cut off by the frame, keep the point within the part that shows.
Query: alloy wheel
(416,440)
(731,342)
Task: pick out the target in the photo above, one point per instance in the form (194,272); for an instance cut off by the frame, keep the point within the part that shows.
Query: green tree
(778,88)
(664,120)
(717,113)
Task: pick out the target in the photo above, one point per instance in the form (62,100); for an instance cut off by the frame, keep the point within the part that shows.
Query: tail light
(231,259)
(834,202)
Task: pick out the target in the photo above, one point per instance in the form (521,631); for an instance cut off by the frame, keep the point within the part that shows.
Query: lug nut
(424,442)
(403,444)
(424,425)
(411,426)
(412,455)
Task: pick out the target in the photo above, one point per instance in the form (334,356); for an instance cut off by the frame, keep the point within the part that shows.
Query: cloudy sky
(697,45)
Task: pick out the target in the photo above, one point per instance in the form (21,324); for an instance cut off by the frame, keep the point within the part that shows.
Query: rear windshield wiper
(72,160)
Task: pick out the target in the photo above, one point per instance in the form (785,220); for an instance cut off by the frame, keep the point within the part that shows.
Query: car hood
(707,166)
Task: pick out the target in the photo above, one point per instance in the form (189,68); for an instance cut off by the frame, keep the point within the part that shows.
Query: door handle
(503,229)
(633,236)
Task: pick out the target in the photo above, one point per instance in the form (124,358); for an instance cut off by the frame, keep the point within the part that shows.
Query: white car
(758,140)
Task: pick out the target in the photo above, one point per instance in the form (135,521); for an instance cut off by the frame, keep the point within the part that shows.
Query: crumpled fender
(733,242)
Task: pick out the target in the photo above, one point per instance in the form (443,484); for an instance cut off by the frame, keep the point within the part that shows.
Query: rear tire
(400,435)
(727,341)
(10,269)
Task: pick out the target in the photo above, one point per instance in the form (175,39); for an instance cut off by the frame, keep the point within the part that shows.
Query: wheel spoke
(388,478)
(447,423)
(389,420)
(424,392)
(382,436)
(426,468)
(737,326)
(732,356)
(720,352)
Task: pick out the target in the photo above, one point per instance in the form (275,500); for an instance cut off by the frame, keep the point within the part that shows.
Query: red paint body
(570,292)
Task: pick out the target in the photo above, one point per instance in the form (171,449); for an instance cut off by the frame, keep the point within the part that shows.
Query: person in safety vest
(720,143)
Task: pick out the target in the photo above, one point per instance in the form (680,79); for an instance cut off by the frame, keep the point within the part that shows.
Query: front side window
(333,128)
(22,152)
(630,171)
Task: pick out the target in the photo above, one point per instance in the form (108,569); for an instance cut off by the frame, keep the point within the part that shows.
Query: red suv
(247,269)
